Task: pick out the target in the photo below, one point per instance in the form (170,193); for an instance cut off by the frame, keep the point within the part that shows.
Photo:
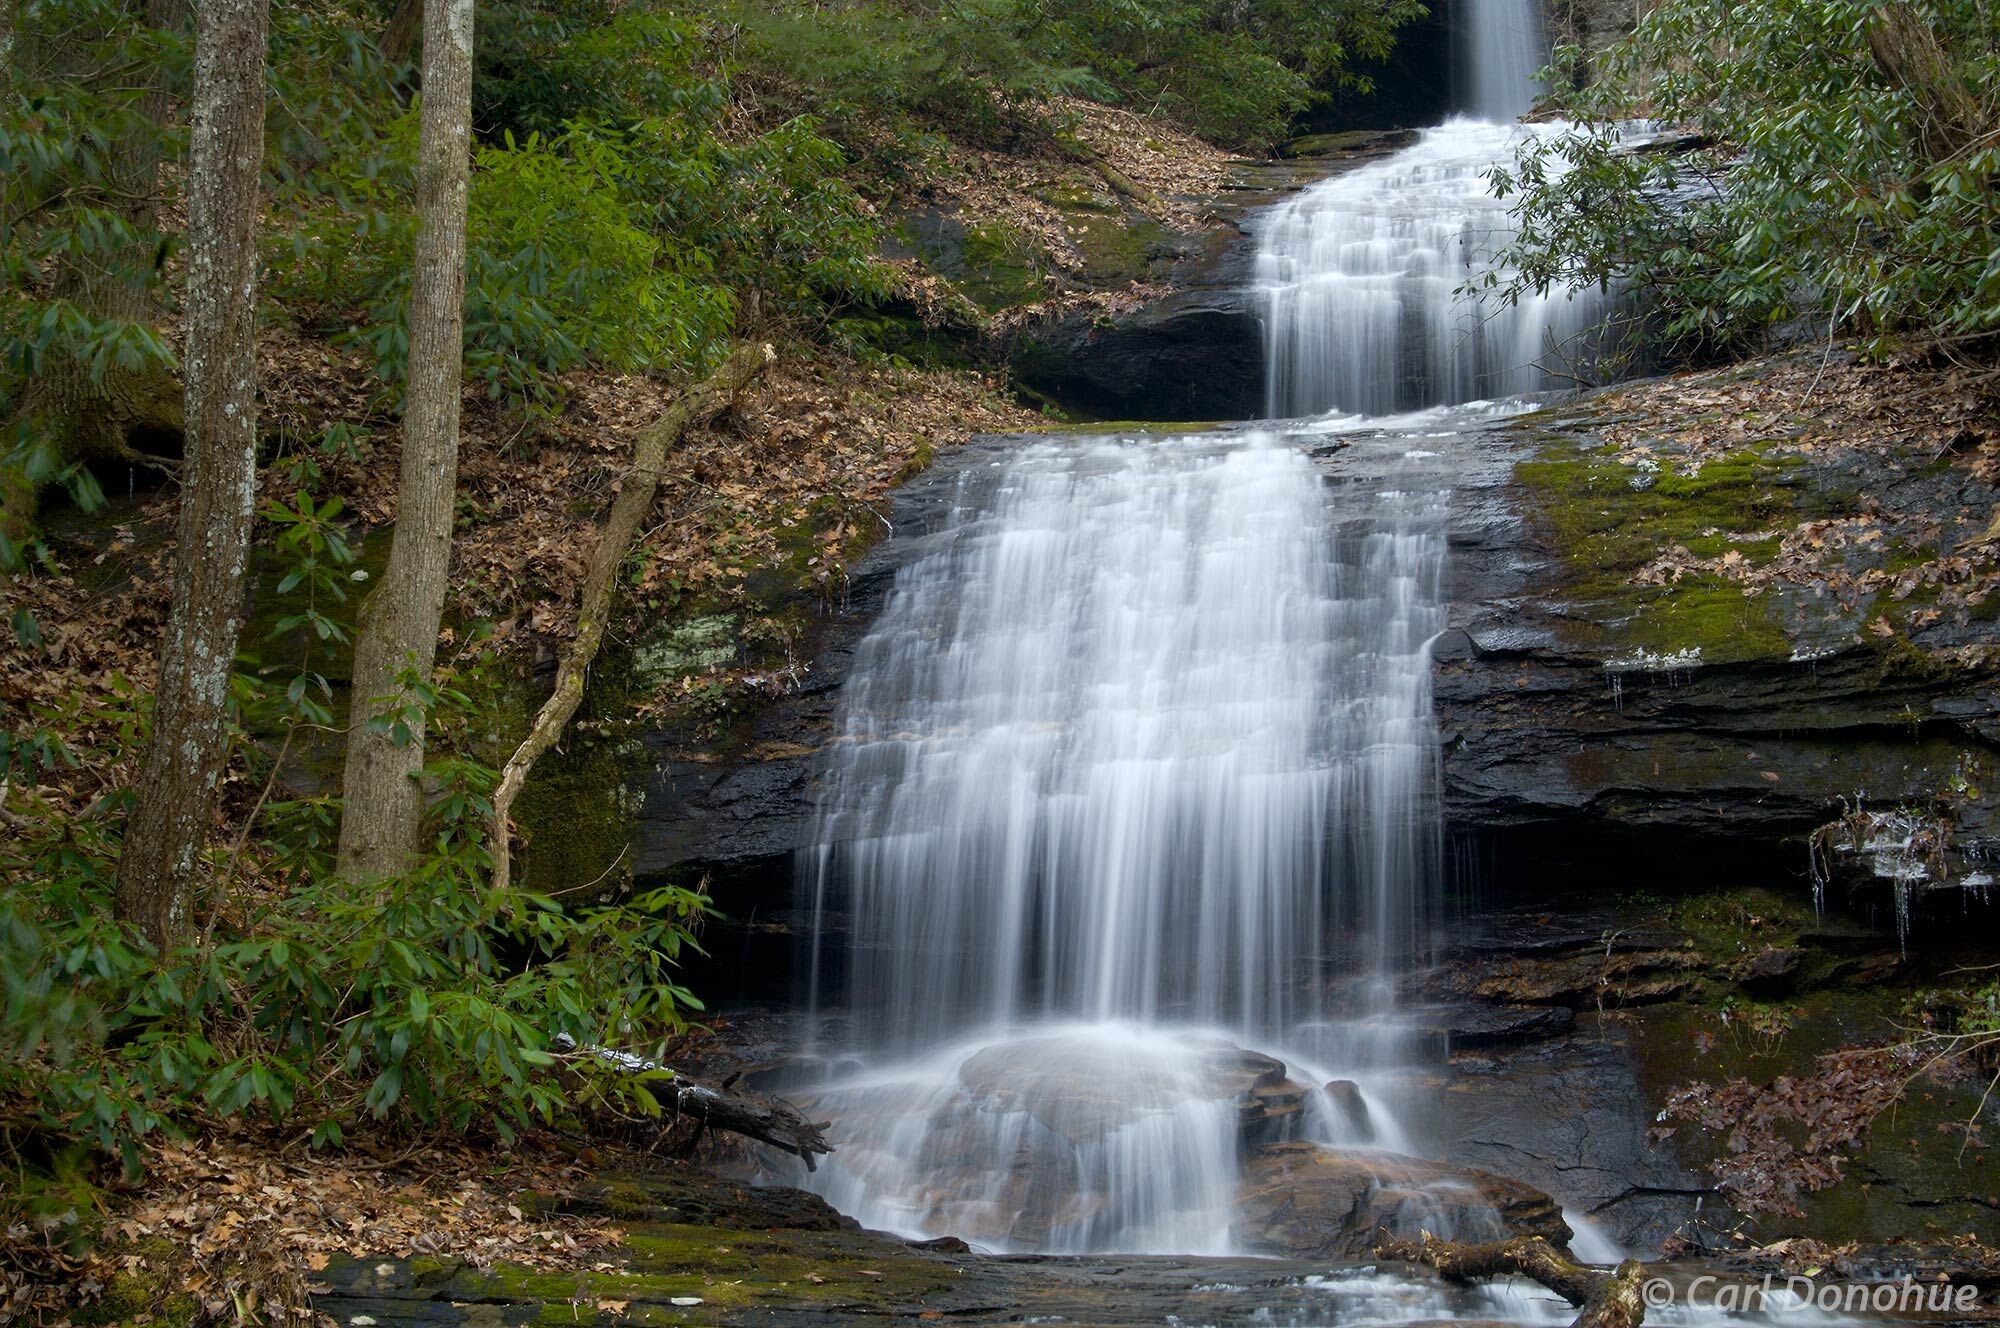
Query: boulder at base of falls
(1308,1201)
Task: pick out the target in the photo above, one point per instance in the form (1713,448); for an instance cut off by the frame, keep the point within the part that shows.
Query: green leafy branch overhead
(1844,178)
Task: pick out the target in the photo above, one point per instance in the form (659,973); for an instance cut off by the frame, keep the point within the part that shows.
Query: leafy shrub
(545,64)
(1849,178)
(429,1002)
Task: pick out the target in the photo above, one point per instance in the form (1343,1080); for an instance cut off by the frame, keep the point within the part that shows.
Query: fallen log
(1602,1300)
(768,1120)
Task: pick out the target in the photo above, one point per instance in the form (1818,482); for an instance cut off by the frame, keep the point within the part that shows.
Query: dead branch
(1602,1300)
(768,1120)
(628,509)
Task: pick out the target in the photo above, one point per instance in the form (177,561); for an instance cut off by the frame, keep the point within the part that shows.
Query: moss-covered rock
(1608,519)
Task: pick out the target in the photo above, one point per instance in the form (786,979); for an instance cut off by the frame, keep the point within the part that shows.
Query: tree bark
(164,837)
(628,509)
(398,632)
(1602,1300)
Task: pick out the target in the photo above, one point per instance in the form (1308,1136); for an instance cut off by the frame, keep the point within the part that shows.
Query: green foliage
(80,253)
(432,1001)
(985,69)
(612,222)
(545,64)
(1236,72)
(1851,176)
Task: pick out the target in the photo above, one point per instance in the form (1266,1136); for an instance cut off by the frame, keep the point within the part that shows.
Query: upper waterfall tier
(1363,278)
(1500,49)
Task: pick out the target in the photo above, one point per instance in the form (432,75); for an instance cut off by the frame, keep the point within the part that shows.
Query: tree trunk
(397,638)
(190,735)
(634,500)
(406,25)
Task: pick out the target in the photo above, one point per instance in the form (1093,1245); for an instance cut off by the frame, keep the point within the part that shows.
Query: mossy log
(628,509)
(1602,1300)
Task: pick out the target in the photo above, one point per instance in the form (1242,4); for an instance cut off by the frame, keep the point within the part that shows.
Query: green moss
(623,1199)
(127,1296)
(725,1269)
(1118,250)
(1608,520)
(1002,268)
(1076,196)
(1726,925)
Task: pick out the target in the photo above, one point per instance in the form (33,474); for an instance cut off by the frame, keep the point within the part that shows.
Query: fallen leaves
(1886,570)
(233,1219)
(1789,1138)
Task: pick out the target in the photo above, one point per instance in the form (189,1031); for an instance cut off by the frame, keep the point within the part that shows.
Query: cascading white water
(1104,746)
(1138,737)
(1149,723)
(1362,277)
(1500,49)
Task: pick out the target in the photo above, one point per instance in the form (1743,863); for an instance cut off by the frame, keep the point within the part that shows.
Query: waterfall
(1499,49)
(1148,723)
(1361,277)
(1130,740)
(1135,775)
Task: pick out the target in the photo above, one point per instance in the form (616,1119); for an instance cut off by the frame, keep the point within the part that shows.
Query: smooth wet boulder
(1308,1201)
(1064,1141)
(1083,1088)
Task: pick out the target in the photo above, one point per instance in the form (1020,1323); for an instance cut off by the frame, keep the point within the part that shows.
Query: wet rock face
(1308,1201)
(1662,729)
(1195,355)
(694,1198)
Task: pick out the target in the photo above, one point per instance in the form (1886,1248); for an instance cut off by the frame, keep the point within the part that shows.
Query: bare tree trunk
(380,828)
(190,736)
(628,509)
